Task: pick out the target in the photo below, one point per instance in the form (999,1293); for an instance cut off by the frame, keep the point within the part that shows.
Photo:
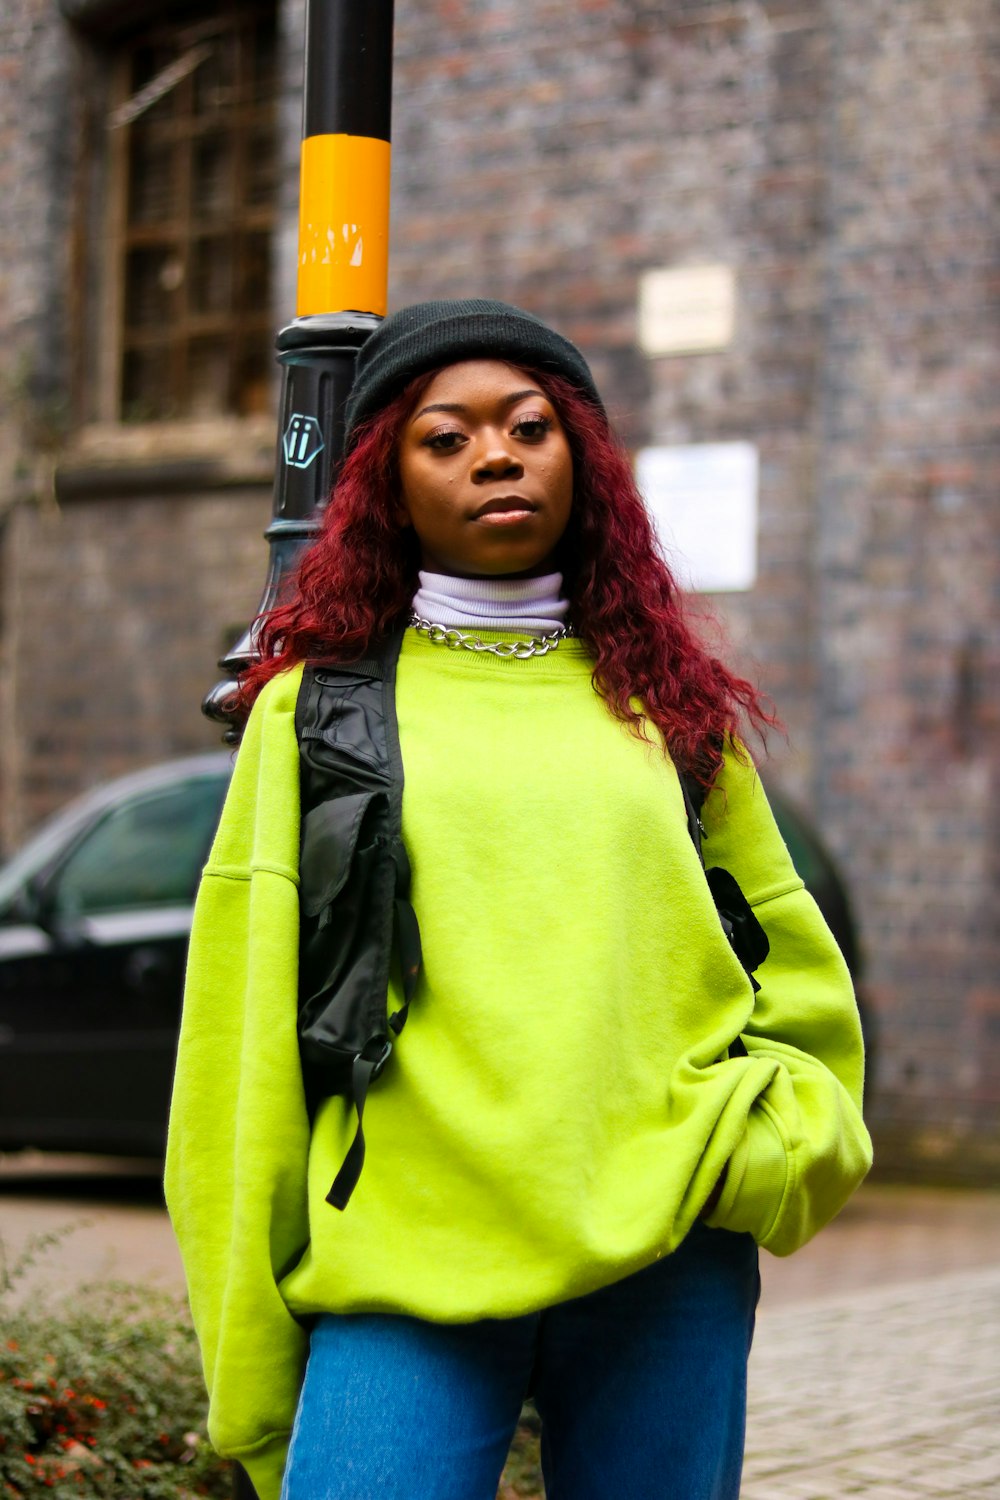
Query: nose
(495,460)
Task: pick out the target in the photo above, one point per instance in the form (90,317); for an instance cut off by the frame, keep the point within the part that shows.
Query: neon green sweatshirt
(560,1104)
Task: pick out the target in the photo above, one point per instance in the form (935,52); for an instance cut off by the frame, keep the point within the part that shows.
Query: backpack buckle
(381,1060)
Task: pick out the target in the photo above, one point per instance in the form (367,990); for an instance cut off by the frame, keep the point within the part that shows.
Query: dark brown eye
(533,426)
(444,440)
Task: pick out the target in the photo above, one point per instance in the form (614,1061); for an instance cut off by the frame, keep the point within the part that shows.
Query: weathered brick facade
(840,156)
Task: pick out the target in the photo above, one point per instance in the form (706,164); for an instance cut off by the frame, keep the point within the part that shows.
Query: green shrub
(101,1395)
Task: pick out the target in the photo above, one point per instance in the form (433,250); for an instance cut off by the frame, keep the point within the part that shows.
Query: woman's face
(486,474)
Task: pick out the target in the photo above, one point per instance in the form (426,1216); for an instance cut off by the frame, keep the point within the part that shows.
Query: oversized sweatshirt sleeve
(805,1148)
(239,1134)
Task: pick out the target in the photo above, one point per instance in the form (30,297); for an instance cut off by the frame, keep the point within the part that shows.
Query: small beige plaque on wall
(686,310)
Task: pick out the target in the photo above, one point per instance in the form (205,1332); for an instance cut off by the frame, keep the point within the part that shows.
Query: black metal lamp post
(342,280)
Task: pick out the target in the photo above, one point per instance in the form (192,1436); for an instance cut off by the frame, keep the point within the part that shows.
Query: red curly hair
(356,582)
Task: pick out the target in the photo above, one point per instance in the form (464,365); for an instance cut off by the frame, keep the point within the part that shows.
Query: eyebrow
(459,407)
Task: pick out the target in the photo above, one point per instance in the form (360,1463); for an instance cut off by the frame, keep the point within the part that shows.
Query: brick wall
(908,552)
(118,610)
(839,155)
(34,256)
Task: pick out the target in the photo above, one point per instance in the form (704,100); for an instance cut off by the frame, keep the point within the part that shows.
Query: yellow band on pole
(344,225)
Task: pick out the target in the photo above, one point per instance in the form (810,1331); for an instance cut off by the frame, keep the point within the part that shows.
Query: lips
(502,505)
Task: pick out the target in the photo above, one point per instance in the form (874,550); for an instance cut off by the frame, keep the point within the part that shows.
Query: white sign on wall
(703,501)
(686,310)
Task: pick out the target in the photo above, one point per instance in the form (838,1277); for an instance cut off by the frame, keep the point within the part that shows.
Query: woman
(592,1120)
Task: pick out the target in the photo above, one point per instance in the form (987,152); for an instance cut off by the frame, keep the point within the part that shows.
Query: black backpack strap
(364,1071)
(744,933)
(694,797)
(352,779)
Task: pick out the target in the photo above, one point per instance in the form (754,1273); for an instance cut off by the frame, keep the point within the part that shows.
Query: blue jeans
(641,1388)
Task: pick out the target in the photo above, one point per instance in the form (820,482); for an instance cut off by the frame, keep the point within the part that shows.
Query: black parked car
(95,913)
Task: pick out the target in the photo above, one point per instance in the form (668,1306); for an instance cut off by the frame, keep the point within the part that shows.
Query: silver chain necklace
(456,640)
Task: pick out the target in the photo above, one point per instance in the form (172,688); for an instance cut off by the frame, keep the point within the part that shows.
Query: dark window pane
(147,66)
(215,79)
(264,50)
(152,177)
(146,388)
(254,379)
(149,61)
(148,852)
(212,179)
(262,167)
(207,386)
(255,272)
(152,279)
(143,67)
(211,289)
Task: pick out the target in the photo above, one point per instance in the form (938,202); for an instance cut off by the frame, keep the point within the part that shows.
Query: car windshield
(171,821)
(41,847)
(147,851)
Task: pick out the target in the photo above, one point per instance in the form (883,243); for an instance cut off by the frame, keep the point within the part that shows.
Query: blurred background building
(768,221)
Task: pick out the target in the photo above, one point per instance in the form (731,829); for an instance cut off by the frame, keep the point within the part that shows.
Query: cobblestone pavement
(891,1392)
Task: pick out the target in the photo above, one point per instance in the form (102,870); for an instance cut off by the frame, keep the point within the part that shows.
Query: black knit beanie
(432,334)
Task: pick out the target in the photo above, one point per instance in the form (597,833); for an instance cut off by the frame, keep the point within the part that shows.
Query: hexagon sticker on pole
(303,441)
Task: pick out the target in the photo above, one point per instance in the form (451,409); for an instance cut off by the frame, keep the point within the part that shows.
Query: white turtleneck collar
(532,605)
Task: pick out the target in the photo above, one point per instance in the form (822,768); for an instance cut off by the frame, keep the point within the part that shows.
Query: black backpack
(356,916)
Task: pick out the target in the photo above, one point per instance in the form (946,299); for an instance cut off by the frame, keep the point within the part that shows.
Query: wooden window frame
(243,332)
